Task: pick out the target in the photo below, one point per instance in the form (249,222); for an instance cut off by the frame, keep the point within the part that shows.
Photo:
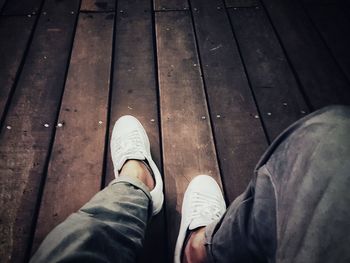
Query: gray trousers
(295,209)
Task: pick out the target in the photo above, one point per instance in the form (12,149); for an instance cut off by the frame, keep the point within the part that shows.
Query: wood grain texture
(238,133)
(276,90)
(321,78)
(164,5)
(16,32)
(333,23)
(20,7)
(188,148)
(75,168)
(135,93)
(98,5)
(24,148)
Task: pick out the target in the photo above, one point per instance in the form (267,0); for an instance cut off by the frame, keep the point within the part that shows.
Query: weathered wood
(239,136)
(276,90)
(20,7)
(135,93)
(164,5)
(188,148)
(334,25)
(321,78)
(15,33)
(98,5)
(75,168)
(24,148)
(242,3)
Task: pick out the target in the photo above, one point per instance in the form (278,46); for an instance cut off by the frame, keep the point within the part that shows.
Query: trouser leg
(296,208)
(109,228)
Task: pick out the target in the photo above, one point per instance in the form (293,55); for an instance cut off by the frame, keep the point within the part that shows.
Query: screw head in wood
(203,117)
(8,127)
(269,113)
(256,116)
(46,125)
(59,124)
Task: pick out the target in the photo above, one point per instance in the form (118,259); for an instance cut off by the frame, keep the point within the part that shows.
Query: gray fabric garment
(109,228)
(296,208)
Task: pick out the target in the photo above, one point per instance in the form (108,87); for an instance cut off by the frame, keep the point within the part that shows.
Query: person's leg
(111,226)
(296,207)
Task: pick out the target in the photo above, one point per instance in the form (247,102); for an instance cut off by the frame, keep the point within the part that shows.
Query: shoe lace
(129,143)
(205,206)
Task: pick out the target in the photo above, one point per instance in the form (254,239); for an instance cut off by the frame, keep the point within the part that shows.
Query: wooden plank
(24,148)
(238,133)
(276,90)
(75,169)
(15,32)
(333,24)
(20,7)
(97,5)
(166,5)
(135,93)
(242,3)
(188,147)
(321,78)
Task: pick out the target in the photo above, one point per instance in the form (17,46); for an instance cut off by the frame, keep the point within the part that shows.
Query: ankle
(195,251)
(139,170)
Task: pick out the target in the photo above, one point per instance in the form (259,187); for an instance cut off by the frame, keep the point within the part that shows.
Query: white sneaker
(129,141)
(203,203)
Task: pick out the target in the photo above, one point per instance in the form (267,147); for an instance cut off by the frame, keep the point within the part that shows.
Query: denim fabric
(109,228)
(296,208)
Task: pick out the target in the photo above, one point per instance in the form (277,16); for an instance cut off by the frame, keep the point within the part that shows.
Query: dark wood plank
(188,148)
(239,136)
(15,33)
(20,7)
(242,3)
(276,90)
(98,5)
(321,78)
(75,169)
(164,5)
(135,93)
(334,25)
(24,148)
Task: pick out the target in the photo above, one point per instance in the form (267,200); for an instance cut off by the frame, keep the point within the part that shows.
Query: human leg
(296,207)
(111,227)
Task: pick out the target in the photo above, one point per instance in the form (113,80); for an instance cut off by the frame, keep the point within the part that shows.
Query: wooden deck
(213,83)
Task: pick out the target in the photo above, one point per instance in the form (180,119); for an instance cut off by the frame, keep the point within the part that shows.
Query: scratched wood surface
(76,161)
(213,82)
(29,126)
